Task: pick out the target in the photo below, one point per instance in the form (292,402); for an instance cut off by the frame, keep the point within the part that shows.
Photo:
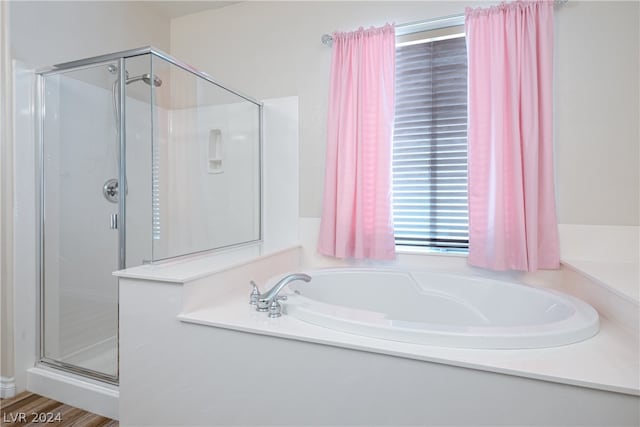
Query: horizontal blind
(430,145)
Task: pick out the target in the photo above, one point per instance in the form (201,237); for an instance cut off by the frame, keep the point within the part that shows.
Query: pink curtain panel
(512,211)
(356,214)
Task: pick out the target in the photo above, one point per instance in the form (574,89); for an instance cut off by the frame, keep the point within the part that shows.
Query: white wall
(280,183)
(598,112)
(45,33)
(42,34)
(273,49)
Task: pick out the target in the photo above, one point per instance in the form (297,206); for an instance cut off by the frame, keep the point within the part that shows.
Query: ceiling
(175,9)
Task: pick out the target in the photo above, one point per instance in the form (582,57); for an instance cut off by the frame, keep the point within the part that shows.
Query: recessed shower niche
(133,146)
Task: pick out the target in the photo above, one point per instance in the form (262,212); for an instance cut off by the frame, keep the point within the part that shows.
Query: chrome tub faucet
(269,301)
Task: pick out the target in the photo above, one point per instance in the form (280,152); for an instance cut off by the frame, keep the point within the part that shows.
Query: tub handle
(275,308)
(255,293)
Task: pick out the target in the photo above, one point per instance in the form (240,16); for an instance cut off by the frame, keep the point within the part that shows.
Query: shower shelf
(214,164)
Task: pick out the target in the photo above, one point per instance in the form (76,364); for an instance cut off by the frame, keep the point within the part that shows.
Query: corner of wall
(23,248)
(7,383)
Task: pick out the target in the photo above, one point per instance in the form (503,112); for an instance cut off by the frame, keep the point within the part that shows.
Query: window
(430,141)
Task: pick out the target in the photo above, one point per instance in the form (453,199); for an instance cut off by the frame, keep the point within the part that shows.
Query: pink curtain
(356,213)
(512,212)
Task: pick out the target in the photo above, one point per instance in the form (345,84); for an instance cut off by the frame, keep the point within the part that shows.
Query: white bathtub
(440,309)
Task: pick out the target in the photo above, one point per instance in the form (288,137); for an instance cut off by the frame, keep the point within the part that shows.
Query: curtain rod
(414,27)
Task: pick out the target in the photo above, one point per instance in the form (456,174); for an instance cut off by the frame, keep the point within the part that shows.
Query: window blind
(430,145)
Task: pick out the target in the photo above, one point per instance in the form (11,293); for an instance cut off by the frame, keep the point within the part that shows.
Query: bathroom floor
(30,409)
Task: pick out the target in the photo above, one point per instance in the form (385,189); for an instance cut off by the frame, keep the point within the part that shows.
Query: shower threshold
(91,395)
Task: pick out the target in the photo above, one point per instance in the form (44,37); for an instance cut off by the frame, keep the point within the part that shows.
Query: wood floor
(29,409)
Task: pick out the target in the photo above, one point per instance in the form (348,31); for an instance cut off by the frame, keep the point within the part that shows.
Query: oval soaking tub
(440,309)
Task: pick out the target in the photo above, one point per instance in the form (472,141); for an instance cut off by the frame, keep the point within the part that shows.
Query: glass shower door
(79,207)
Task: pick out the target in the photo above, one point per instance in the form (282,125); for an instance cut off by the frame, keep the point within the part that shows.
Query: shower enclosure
(142,159)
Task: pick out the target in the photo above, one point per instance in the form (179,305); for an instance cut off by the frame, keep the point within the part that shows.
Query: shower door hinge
(114,221)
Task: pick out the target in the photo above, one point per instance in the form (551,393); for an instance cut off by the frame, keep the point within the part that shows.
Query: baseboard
(7,387)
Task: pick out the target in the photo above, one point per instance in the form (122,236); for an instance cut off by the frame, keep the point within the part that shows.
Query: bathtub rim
(566,331)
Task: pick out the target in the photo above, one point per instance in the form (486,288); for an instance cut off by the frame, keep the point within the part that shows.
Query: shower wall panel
(225,201)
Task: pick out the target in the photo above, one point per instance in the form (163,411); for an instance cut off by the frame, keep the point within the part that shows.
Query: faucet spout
(272,294)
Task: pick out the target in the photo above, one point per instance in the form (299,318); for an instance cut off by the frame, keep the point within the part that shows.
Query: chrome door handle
(114,221)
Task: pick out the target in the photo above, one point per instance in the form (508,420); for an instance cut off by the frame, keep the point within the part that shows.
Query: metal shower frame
(120,57)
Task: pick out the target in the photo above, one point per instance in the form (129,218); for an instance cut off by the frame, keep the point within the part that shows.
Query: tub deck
(191,336)
(589,363)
